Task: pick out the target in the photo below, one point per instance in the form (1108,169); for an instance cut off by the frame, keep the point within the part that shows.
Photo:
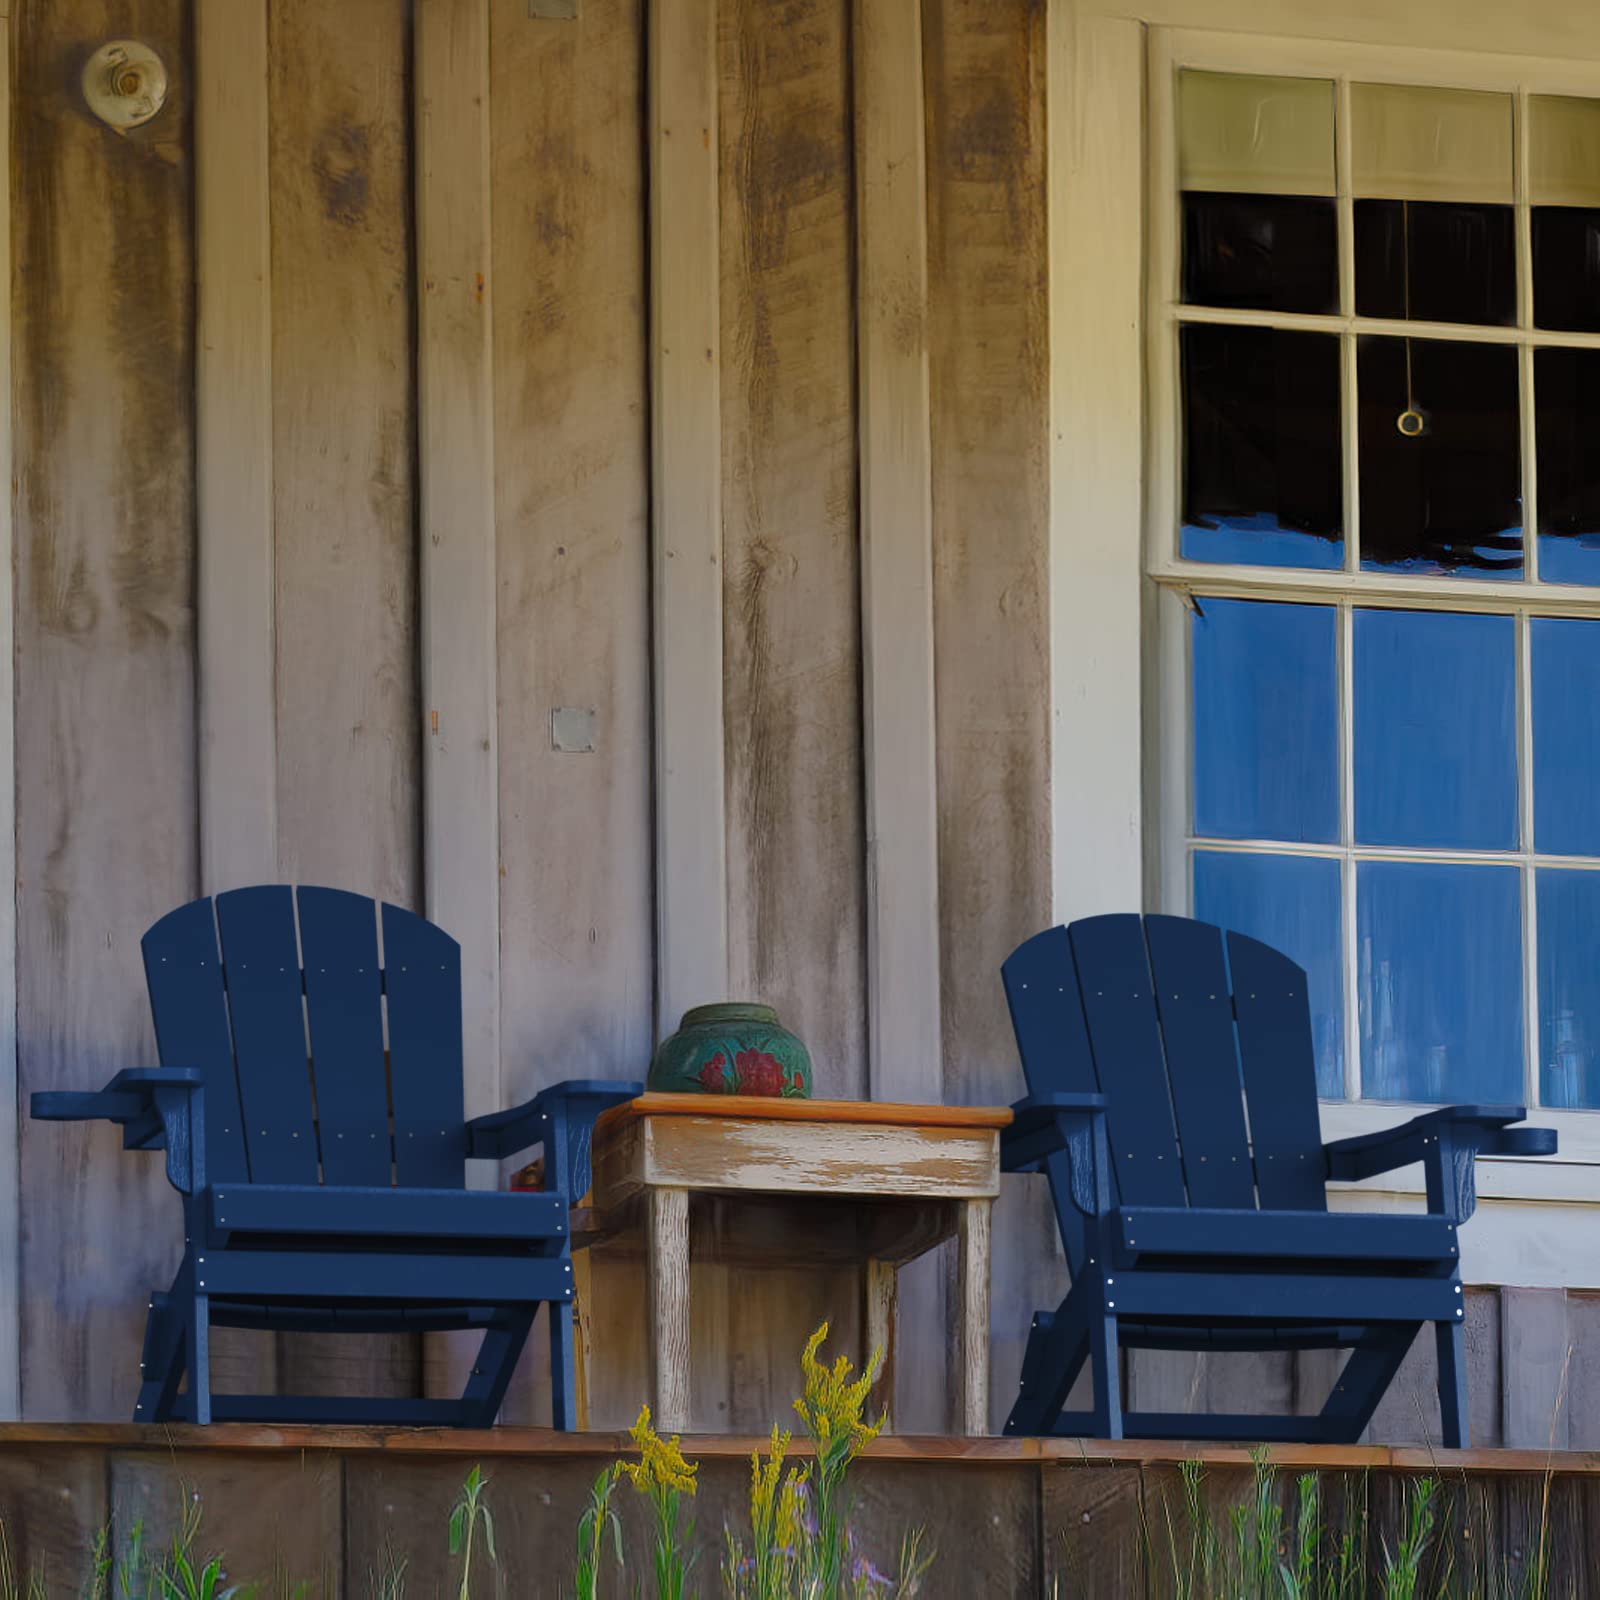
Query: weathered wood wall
(108,237)
(124,802)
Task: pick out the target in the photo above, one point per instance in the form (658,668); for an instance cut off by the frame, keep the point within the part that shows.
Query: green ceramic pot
(736,1048)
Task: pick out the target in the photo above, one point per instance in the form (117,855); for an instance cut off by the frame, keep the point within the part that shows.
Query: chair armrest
(157,1108)
(1047,1126)
(1447,1142)
(560,1118)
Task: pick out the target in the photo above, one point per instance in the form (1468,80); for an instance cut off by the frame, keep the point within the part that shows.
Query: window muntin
(1424,925)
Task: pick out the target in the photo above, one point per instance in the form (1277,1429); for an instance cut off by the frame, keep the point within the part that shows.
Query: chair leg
(1058,1346)
(161,1363)
(197,1337)
(1451,1339)
(1363,1380)
(563,1368)
(1106,1372)
(486,1389)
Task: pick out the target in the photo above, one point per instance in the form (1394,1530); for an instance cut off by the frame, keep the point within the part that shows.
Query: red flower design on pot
(759,1072)
(714,1073)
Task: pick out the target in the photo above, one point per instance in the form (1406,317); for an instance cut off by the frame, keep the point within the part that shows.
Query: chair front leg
(197,1338)
(563,1368)
(1105,1371)
(1451,1340)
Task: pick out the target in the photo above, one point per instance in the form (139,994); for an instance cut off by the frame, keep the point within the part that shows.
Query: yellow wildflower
(831,1406)
(774,1498)
(660,1465)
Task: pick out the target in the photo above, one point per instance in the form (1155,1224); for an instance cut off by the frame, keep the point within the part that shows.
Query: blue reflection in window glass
(1266,721)
(1439,979)
(1435,730)
(1569,987)
(1566,736)
(1292,904)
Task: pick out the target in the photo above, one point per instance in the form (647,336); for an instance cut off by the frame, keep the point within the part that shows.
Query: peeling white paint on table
(907,1177)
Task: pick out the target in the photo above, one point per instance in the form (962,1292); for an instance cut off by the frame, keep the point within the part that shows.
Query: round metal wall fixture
(124,83)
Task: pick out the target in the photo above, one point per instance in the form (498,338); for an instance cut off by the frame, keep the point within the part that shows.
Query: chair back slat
(1196,1010)
(262,960)
(1272,1002)
(344,1017)
(1119,1009)
(1047,1017)
(422,980)
(183,972)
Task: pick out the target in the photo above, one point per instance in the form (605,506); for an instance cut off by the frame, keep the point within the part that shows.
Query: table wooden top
(771,1108)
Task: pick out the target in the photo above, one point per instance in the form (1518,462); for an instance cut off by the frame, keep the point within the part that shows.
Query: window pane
(1264,252)
(1261,456)
(1239,134)
(1266,721)
(1563,151)
(1292,904)
(1435,730)
(1411,143)
(1566,736)
(1566,387)
(1569,988)
(1566,268)
(1435,262)
(1439,981)
(1447,499)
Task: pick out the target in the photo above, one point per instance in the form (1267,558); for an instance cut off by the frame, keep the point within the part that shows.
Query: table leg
(970,1358)
(667,1248)
(881,1306)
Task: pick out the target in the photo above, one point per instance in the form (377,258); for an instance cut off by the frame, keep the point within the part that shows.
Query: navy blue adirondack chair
(1173,1106)
(310,1105)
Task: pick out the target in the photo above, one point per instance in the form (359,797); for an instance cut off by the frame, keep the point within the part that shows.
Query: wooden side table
(827,1180)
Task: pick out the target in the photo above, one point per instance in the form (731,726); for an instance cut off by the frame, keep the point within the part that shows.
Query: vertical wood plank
(233,449)
(1533,1328)
(984,63)
(791,641)
(905,1047)
(10,1219)
(1096,173)
(103,391)
(791,635)
(573,557)
(235,609)
(344,502)
(686,508)
(667,1243)
(344,445)
(456,488)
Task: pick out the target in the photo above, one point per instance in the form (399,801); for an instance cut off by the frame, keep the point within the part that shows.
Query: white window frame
(1117,588)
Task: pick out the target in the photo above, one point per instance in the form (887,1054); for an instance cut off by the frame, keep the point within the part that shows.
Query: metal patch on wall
(572,728)
(554,10)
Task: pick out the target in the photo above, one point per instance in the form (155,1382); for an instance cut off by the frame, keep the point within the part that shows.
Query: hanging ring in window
(1411,422)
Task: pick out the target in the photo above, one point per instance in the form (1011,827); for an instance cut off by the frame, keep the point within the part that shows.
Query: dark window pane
(1266,721)
(1439,981)
(1429,261)
(1569,988)
(1292,904)
(1435,730)
(1566,736)
(1566,388)
(1261,455)
(1566,268)
(1260,251)
(1448,499)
